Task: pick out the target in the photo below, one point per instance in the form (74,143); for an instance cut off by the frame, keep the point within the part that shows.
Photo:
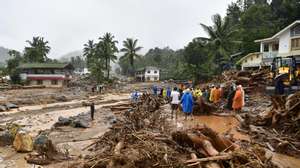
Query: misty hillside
(3,55)
(67,57)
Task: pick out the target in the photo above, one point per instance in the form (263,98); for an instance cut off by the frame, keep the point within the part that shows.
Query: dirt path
(38,118)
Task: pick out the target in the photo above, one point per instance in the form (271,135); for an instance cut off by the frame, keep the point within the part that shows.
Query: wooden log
(213,158)
(219,142)
(118,147)
(212,165)
(119,108)
(204,144)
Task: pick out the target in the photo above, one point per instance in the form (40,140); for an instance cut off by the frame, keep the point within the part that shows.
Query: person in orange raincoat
(238,101)
(217,95)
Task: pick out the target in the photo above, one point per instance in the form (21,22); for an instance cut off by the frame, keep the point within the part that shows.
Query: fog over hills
(3,55)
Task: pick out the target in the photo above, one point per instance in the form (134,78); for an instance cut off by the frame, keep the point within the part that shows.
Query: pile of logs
(248,79)
(143,138)
(284,110)
(278,127)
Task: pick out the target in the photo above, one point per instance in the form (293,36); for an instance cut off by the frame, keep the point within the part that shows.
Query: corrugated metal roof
(44,65)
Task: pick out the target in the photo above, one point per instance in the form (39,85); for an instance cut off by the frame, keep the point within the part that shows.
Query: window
(54,82)
(39,82)
(295,44)
(246,60)
(155,78)
(155,72)
(275,47)
(266,47)
(251,58)
(257,56)
(148,72)
(148,78)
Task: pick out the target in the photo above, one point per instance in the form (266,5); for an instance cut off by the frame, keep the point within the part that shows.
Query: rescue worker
(212,93)
(197,93)
(238,101)
(134,96)
(187,103)
(230,97)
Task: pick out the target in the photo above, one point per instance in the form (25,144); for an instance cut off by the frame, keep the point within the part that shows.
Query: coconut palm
(220,38)
(89,51)
(130,50)
(107,47)
(37,50)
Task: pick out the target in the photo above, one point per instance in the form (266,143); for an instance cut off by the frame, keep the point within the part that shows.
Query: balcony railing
(270,54)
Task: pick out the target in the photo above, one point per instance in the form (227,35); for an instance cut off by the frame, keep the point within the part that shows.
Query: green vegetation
(203,57)
(130,54)
(37,50)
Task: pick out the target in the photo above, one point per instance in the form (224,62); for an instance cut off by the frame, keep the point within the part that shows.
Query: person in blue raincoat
(154,88)
(187,103)
(134,96)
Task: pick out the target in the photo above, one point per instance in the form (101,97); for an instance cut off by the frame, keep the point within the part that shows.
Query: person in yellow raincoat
(197,92)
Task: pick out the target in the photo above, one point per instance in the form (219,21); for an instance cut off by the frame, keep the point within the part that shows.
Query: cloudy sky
(68,24)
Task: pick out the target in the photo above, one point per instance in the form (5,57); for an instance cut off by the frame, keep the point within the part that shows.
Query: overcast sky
(68,24)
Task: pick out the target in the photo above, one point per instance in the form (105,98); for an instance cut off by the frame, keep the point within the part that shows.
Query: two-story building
(147,74)
(284,43)
(47,74)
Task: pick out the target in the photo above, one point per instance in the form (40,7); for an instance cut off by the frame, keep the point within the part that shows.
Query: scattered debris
(277,128)
(143,138)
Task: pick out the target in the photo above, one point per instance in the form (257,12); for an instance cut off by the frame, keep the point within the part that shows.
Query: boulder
(23,142)
(2,108)
(13,128)
(11,106)
(63,121)
(79,123)
(6,138)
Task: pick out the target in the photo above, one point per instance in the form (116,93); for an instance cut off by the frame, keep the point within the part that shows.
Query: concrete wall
(252,61)
(284,42)
(47,83)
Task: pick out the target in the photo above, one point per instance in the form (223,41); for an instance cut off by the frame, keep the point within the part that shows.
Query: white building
(147,74)
(284,43)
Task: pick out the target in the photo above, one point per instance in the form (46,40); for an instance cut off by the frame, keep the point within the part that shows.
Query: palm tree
(37,51)
(89,51)
(130,50)
(220,38)
(107,46)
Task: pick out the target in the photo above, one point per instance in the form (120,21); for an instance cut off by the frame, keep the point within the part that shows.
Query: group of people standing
(185,98)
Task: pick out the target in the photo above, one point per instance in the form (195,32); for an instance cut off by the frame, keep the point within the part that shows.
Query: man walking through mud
(174,101)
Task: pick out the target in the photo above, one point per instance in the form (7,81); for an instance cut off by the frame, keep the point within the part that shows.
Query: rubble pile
(249,79)
(143,138)
(279,125)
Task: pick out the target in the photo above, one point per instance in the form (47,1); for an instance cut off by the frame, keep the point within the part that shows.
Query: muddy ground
(42,113)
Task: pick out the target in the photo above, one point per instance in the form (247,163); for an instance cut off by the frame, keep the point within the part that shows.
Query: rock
(23,142)
(62,121)
(39,141)
(61,98)
(6,138)
(13,128)
(11,106)
(78,123)
(2,108)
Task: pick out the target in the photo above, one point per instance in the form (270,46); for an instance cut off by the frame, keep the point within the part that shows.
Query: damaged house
(47,74)
(285,43)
